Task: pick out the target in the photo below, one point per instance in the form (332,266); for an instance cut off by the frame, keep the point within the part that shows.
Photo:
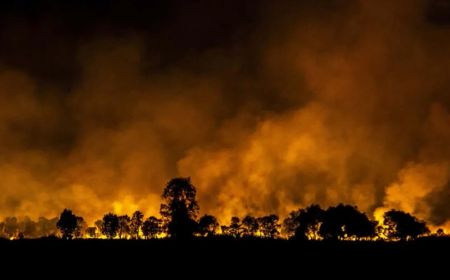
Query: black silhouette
(124,226)
(269,226)
(403,225)
(137,220)
(80,228)
(250,226)
(346,221)
(234,229)
(304,224)
(67,223)
(152,227)
(180,209)
(179,214)
(110,225)
(207,226)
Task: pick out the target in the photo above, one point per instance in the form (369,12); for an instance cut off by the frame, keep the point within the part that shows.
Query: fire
(323,105)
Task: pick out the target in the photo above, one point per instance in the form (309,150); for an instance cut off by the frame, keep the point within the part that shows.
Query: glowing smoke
(316,102)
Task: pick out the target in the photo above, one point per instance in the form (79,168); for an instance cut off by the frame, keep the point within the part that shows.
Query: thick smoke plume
(267,105)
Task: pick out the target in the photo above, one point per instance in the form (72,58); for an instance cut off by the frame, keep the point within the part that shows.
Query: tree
(250,226)
(80,228)
(180,208)
(152,227)
(67,223)
(136,223)
(234,229)
(207,225)
(124,226)
(91,232)
(269,226)
(304,223)
(110,225)
(346,221)
(402,225)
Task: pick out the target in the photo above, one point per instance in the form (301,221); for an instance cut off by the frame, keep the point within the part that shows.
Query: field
(228,256)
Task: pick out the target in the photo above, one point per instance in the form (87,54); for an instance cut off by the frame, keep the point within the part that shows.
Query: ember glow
(268,106)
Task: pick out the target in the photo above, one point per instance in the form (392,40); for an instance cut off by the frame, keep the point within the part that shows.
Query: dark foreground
(224,256)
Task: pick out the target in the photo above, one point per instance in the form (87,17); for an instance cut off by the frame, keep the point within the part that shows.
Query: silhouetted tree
(180,208)
(80,228)
(152,227)
(124,226)
(269,226)
(250,226)
(234,229)
(440,232)
(91,232)
(110,225)
(304,223)
(345,221)
(67,223)
(207,225)
(136,223)
(403,225)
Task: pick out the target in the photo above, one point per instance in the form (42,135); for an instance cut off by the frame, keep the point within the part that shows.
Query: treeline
(179,219)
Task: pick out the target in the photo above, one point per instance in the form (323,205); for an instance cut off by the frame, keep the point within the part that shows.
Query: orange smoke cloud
(318,103)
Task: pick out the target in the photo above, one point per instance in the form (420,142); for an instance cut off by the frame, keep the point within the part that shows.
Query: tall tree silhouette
(136,223)
(180,208)
(269,226)
(152,227)
(344,221)
(207,226)
(67,223)
(403,225)
(250,226)
(110,225)
(80,228)
(235,228)
(124,226)
(304,224)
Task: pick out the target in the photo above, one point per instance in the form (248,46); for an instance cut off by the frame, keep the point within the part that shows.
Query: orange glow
(308,109)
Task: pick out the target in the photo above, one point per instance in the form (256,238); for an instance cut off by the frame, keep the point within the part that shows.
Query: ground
(230,257)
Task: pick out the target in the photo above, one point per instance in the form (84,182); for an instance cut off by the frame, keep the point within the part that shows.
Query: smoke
(267,107)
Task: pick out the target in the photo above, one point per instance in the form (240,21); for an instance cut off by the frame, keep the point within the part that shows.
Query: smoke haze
(268,106)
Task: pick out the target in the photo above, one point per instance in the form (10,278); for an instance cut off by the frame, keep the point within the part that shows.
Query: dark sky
(43,37)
